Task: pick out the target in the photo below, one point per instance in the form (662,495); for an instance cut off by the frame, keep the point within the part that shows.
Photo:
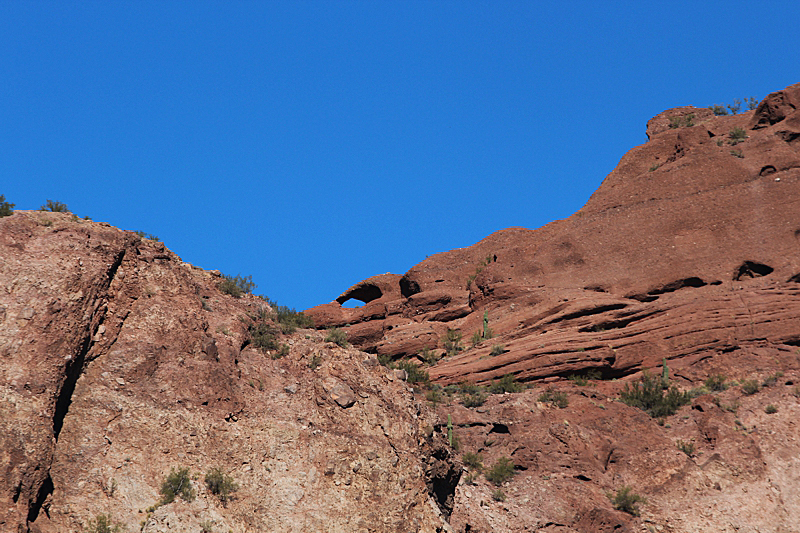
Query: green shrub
(55,207)
(648,395)
(177,483)
(314,362)
(556,398)
(718,110)
(686,447)
(220,484)
(737,153)
(283,351)
(435,396)
(287,318)
(498,495)
(737,135)
(474,399)
(735,106)
(580,381)
(144,235)
(263,335)
(769,381)
(386,360)
(682,122)
(626,500)
(473,460)
(505,384)
(6,208)
(102,523)
(236,286)
(476,338)
(337,336)
(429,356)
(415,373)
(752,103)
(770,409)
(452,342)
(654,167)
(716,383)
(501,471)
(497,349)
(750,386)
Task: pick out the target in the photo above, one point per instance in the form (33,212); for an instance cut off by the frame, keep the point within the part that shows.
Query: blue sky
(314,144)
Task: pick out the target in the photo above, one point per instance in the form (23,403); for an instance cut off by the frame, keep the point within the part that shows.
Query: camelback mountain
(634,367)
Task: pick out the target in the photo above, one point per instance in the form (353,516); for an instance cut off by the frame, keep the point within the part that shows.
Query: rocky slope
(120,363)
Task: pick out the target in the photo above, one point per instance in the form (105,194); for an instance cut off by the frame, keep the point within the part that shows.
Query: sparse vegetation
(177,483)
(428,356)
(452,342)
(648,395)
(497,349)
(473,461)
(498,495)
(719,110)
(54,207)
(473,398)
(314,362)
(737,135)
(505,384)
(337,336)
(237,285)
(415,373)
(263,335)
(686,447)
(555,398)
(435,395)
(770,409)
(751,102)
(6,208)
(654,167)
(737,153)
(144,235)
(580,381)
(220,484)
(501,471)
(483,264)
(282,351)
(769,381)
(627,501)
(102,523)
(287,318)
(716,383)
(750,386)
(476,338)
(735,106)
(684,121)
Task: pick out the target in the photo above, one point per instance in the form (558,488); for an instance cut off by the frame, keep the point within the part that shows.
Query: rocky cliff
(121,364)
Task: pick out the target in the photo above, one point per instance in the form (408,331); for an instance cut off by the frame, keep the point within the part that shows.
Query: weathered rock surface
(119,362)
(689,248)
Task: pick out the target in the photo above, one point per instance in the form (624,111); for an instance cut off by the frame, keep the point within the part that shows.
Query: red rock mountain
(121,365)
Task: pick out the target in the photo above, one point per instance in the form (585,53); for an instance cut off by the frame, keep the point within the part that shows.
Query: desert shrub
(654,167)
(735,106)
(386,360)
(220,484)
(428,356)
(581,381)
(556,398)
(337,336)
(102,523)
(287,318)
(55,207)
(770,409)
(435,395)
(716,383)
(750,386)
(737,153)
(452,342)
(144,235)
(206,526)
(626,500)
(686,447)
(498,495)
(476,338)
(501,471)
(314,362)
(263,335)
(474,399)
(473,460)
(737,135)
(283,351)
(718,110)
(237,285)
(769,381)
(6,208)
(415,373)
(505,384)
(752,103)
(682,122)
(649,396)
(177,483)
(497,349)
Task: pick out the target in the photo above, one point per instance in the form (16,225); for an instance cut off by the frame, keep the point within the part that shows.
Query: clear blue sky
(314,144)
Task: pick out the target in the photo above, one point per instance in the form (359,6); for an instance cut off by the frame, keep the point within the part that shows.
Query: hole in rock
(795,278)
(751,269)
(766,170)
(408,287)
(678,284)
(581,477)
(364,293)
(499,428)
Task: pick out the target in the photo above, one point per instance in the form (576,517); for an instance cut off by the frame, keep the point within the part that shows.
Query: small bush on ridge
(177,483)
(716,383)
(102,523)
(6,208)
(750,386)
(415,373)
(452,342)
(648,395)
(556,398)
(337,336)
(55,207)
(220,484)
(501,471)
(626,500)
(236,286)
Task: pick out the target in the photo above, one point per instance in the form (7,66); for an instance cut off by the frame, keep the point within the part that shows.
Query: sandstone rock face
(689,248)
(119,362)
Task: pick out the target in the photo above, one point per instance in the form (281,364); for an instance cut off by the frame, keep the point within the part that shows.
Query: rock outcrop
(689,248)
